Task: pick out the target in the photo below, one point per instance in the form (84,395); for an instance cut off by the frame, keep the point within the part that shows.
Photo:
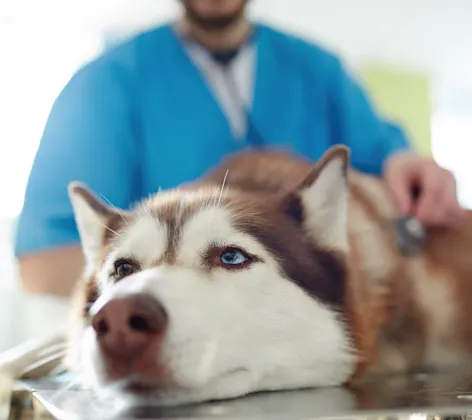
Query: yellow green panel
(404,97)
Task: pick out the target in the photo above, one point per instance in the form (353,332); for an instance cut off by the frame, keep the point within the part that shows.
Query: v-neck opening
(185,55)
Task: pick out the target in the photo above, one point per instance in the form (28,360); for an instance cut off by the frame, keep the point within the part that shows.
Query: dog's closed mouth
(142,385)
(139,387)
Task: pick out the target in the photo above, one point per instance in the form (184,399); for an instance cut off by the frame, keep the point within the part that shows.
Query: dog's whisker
(222,187)
(114,207)
(112,231)
(108,201)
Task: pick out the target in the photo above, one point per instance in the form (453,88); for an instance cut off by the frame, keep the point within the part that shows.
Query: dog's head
(210,292)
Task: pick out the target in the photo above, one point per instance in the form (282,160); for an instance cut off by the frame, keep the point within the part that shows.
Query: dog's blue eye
(233,256)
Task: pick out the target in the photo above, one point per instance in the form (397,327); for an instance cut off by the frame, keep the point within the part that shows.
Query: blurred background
(414,57)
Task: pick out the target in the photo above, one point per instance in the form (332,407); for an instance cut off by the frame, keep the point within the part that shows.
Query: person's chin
(215,20)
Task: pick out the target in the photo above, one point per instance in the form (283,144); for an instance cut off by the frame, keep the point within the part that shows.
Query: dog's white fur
(231,332)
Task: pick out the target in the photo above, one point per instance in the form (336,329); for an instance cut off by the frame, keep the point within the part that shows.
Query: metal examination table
(420,397)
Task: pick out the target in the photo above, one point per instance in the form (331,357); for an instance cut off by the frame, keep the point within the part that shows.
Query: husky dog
(268,273)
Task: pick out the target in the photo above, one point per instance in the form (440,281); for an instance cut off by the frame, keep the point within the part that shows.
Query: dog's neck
(374,265)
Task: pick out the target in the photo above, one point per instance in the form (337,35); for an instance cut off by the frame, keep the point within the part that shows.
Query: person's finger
(455,217)
(433,201)
(433,210)
(400,183)
(460,217)
(439,205)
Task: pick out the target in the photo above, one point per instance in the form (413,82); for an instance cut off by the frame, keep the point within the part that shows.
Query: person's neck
(225,39)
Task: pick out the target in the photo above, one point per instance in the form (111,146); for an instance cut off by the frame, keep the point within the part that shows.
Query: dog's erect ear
(92,217)
(322,199)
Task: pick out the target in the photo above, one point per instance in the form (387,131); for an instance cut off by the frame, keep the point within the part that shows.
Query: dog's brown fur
(405,313)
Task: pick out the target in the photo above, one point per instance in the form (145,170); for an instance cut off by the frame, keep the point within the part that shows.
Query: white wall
(432,35)
(429,34)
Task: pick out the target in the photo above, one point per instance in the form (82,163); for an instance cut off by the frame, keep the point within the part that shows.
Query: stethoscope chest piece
(410,235)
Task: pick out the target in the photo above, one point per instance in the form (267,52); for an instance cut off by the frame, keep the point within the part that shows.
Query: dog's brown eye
(124,268)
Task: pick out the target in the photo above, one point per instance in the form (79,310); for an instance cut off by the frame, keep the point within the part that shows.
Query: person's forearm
(54,272)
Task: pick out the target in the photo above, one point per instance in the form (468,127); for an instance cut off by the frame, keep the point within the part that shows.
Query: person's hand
(437,203)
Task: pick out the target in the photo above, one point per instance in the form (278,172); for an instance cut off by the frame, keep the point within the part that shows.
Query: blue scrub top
(141,117)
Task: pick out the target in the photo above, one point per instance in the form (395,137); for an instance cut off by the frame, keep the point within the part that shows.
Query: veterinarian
(168,104)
